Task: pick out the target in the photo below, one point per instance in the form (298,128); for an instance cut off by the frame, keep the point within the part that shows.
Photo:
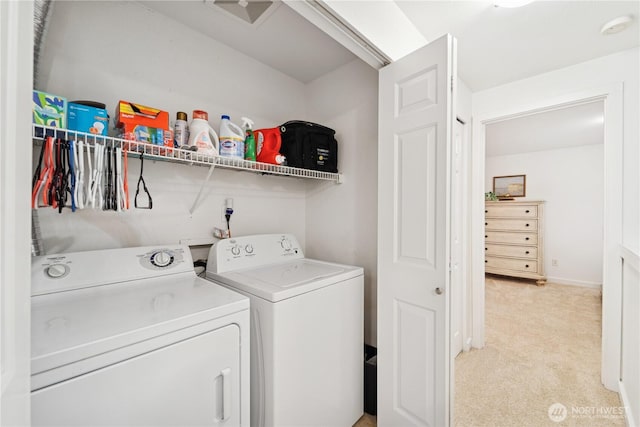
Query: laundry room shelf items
(158,152)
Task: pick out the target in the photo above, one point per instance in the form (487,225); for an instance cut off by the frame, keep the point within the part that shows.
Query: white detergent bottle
(231,139)
(201,135)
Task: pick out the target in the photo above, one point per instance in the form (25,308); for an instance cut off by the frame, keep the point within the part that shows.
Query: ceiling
(281,38)
(495,45)
(562,128)
(498,45)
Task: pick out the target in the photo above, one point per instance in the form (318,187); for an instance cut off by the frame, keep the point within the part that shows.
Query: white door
(16,80)
(415,128)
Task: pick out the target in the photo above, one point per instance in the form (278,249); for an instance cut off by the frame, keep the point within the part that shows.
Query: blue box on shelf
(89,119)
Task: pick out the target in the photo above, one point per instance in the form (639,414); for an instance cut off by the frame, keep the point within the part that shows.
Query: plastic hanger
(119,179)
(125,178)
(71,174)
(79,187)
(108,193)
(59,184)
(41,176)
(96,180)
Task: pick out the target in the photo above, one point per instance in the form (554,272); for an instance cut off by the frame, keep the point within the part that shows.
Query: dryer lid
(74,325)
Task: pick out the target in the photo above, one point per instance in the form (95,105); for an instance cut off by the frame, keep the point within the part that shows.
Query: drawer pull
(526,266)
(527,252)
(527,211)
(485,249)
(486,261)
(486,211)
(526,225)
(485,236)
(526,238)
(486,223)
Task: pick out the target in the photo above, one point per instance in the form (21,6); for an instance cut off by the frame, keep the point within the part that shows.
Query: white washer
(134,337)
(306,330)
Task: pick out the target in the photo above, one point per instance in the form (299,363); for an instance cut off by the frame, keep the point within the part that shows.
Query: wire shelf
(174,155)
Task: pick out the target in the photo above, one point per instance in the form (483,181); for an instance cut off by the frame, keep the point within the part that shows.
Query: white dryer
(133,337)
(306,330)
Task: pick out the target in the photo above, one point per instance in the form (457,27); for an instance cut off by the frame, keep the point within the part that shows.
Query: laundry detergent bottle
(231,139)
(249,140)
(268,143)
(201,135)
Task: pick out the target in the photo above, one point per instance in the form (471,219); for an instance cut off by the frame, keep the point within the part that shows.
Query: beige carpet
(542,347)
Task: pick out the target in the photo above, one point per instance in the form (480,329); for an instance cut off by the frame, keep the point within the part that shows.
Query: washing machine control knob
(248,249)
(161,259)
(286,244)
(235,250)
(56,271)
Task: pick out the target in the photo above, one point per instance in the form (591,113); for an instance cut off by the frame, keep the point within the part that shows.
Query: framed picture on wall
(510,186)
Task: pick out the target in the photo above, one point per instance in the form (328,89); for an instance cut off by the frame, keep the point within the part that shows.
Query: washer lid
(285,280)
(73,325)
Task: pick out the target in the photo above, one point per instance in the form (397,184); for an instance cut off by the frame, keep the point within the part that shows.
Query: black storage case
(370,380)
(309,145)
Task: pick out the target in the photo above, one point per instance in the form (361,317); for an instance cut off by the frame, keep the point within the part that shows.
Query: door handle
(439,291)
(226,393)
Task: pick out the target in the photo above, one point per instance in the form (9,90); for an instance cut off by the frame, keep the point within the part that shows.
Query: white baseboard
(466,345)
(561,281)
(629,416)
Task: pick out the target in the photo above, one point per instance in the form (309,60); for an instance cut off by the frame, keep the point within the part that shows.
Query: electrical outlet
(554,262)
(219,233)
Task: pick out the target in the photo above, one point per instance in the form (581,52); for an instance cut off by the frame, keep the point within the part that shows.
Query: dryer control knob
(56,271)
(248,249)
(235,250)
(161,259)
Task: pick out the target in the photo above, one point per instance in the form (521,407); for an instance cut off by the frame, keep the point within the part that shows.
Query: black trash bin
(370,380)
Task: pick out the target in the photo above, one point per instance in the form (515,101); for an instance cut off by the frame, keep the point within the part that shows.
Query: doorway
(563,164)
(613,113)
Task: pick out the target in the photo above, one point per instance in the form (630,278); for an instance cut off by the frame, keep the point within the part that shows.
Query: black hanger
(108,194)
(144,186)
(59,183)
(36,174)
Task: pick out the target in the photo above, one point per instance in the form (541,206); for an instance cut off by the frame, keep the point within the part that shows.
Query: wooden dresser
(514,239)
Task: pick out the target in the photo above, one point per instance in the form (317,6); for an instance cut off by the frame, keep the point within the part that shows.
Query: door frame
(16,85)
(613,180)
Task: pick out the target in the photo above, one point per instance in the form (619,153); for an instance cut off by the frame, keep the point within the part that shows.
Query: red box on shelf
(144,124)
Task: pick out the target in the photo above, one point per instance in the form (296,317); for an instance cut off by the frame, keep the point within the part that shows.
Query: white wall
(107,51)
(571,182)
(341,220)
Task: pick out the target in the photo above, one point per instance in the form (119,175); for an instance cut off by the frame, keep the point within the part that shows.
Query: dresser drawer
(511,251)
(506,211)
(511,264)
(517,238)
(511,224)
